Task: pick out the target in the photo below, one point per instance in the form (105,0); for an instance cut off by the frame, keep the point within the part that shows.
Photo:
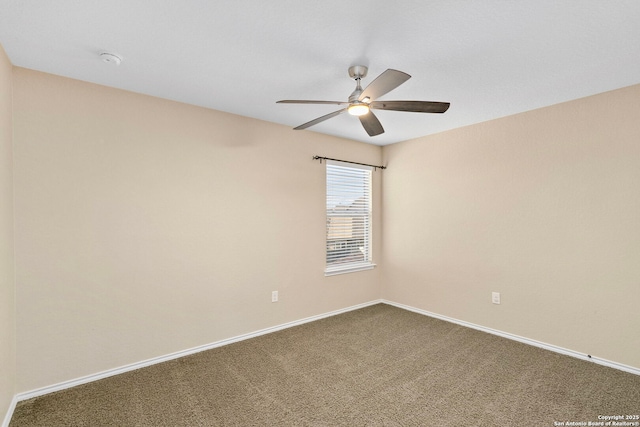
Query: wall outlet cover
(495,297)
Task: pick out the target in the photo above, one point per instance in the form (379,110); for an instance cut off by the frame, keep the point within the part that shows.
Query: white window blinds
(348,218)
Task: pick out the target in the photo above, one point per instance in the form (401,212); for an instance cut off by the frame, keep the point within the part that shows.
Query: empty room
(296,213)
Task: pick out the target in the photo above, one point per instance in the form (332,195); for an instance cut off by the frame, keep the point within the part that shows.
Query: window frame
(366,219)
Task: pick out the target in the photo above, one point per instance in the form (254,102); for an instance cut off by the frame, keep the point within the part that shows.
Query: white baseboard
(9,414)
(111,372)
(529,341)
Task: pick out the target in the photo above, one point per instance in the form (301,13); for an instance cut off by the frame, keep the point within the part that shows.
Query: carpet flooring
(377,366)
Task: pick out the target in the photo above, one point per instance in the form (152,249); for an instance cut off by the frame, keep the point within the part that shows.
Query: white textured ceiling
(489,58)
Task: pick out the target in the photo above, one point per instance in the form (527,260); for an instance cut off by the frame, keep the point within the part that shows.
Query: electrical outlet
(495,297)
(274,296)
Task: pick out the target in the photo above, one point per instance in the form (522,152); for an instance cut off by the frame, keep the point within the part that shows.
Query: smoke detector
(110,58)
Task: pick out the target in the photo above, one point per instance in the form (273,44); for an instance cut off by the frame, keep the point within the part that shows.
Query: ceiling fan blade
(413,106)
(300,101)
(320,119)
(384,83)
(371,124)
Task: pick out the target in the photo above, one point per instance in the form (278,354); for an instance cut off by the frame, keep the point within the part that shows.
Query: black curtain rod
(347,161)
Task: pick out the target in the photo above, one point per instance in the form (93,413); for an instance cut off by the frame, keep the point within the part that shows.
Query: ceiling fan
(362,101)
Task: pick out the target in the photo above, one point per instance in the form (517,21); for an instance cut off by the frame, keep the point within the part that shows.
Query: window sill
(351,268)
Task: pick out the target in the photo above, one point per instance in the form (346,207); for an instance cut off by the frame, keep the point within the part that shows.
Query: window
(348,218)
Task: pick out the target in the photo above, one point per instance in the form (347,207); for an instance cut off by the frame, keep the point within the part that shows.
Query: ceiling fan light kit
(362,101)
(358,109)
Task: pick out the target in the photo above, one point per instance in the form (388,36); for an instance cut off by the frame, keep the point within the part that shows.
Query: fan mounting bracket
(358,71)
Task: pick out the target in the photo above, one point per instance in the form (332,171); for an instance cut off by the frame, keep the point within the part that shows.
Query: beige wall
(146,227)
(7,282)
(543,207)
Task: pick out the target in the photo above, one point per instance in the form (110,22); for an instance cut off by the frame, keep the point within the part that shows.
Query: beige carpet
(378,366)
